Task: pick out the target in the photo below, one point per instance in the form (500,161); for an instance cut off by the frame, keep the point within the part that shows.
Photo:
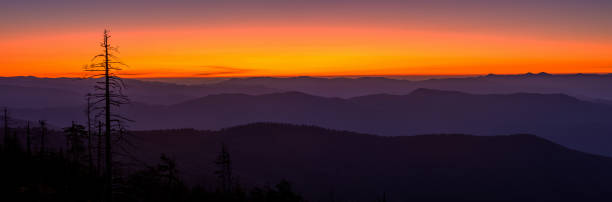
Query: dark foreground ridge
(329,165)
(284,162)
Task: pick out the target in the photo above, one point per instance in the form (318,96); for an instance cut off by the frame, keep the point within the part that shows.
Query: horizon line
(330,76)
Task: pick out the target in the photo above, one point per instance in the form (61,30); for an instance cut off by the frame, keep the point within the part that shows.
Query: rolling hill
(563,119)
(330,165)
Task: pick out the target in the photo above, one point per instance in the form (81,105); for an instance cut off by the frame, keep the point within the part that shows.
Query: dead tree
(89,134)
(43,131)
(6,128)
(28,139)
(99,148)
(10,142)
(108,95)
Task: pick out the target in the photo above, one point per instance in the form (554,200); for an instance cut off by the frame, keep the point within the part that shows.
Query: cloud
(222,70)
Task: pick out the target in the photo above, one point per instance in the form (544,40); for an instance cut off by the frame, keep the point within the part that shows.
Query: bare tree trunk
(99,147)
(89,146)
(43,130)
(6,129)
(111,87)
(28,139)
(109,159)
(68,136)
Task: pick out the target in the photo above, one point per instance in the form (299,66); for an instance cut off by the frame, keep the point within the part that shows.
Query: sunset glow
(317,42)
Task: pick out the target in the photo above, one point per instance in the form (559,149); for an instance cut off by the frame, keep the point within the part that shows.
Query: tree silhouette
(43,131)
(383,198)
(74,141)
(108,93)
(282,192)
(11,143)
(168,170)
(99,148)
(28,139)
(224,174)
(5,118)
(89,133)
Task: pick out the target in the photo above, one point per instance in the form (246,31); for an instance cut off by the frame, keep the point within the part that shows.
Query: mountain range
(25,92)
(33,92)
(583,86)
(331,165)
(572,122)
(562,124)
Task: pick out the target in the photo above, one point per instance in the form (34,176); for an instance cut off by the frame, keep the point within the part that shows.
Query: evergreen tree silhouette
(168,169)
(74,141)
(224,172)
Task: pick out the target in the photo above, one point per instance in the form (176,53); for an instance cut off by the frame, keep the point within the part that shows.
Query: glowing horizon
(369,39)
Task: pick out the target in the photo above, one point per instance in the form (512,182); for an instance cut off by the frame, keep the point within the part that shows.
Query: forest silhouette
(37,173)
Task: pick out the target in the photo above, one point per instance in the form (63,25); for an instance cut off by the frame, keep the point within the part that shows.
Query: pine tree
(224,173)
(74,142)
(168,169)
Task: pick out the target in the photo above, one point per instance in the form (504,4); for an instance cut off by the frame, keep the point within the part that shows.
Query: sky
(231,38)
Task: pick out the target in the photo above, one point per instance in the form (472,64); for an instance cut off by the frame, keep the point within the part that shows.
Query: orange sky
(270,48)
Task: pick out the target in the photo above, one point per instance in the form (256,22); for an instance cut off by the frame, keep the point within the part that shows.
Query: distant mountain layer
(33,92)
(563,119)
(15,96)
(592,87)
(584,86)
(328,165)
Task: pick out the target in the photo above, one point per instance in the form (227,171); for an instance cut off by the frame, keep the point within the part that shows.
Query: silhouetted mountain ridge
(62,92)
(583,86)
(563,119)
(359,167)
(31,97)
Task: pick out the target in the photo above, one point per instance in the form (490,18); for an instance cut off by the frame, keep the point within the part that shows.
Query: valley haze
(572,109)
